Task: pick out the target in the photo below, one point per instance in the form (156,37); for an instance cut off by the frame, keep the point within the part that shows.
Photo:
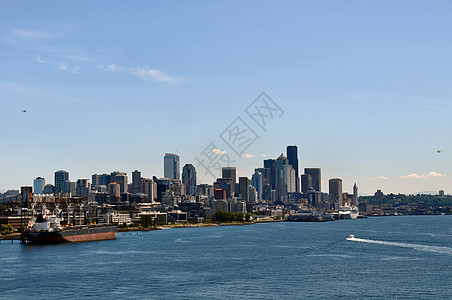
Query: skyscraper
(292,156)
(316,178)
(306,183)
(270,164)
(355,195)
(136,182)
(335,191)
(285,178)
(149,187)
(83,187)
(189,179)
(230,173)
(122,179)
(171,166)
(257,180)
(38,185)
(244,186)
(60,177)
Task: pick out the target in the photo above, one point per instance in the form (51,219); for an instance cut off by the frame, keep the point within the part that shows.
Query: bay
(404,257)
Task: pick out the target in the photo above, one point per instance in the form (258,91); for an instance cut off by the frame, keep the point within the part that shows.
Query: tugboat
(47,229)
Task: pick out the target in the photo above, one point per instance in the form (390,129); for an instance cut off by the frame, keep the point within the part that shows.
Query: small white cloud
(40,60)
(377,178)
(247,155)
(144,73)
(219,152)
(422,176)
(265,155)
(30,34)
(112,68)
(62,67)
(75,69)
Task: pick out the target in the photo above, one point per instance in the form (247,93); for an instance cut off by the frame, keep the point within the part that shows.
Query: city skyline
(363,88)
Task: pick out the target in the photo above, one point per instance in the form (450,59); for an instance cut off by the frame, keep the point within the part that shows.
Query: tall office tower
(60,177)
(271,164)
(316,178)
(95,180)
(104,179)
(70,187)
(83,187)
(355,195)
(171,166)
(189,179)
(265,175)
(163,185)
(121,178)
(149,187)
(225,184)
(114,190)
(335,190)
(136,182)
(285,178)
(292,156)
(306,183)
(244,188)
(38,185)
(230,173)
(257,180)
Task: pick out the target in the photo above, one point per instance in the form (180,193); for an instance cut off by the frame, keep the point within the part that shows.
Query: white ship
(348,212)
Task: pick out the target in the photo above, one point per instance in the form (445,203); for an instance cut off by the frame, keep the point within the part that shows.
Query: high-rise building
(355,195)
(149,187)
(285,178)
(38,185)
(122,179)
(316,178)
(230,173)
(95,180)
(292,156)
(271,164)
(306,183)
(189,179)
(171,166)
(70,187)
(136,182)
(83,187)
(257,180)
(60,177)
(335,191)
(244,187)
(225,184)
(104,179)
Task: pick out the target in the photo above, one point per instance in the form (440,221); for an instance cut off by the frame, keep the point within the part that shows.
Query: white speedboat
(351,237)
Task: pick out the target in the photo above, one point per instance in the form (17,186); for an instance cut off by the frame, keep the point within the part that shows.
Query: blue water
(407,257)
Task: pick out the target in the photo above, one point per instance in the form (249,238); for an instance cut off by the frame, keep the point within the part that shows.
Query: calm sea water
(394,257)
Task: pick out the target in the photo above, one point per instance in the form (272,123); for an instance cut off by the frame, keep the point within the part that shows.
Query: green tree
(146,221)
(6,229)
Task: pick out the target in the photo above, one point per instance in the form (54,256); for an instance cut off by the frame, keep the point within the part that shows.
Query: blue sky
(109,85)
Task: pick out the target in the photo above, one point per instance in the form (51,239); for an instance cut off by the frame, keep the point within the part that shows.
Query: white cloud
(219,152)
(377,178)
(265,155)
(72,69)
(30,34)
(62,67)
(418,176)
(144,73)
(40,60)
(248,155)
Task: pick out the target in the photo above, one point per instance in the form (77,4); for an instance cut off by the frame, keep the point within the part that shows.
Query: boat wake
(436,249)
